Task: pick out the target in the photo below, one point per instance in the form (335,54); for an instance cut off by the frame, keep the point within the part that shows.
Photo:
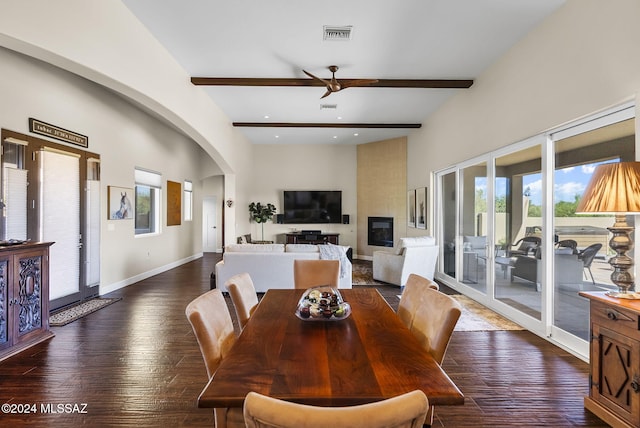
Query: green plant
(261,213)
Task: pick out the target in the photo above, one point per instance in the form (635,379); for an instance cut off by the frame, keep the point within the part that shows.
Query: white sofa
(413,255)
(271,265)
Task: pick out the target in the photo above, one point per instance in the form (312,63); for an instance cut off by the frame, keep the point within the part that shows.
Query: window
(188,200)
(147,194)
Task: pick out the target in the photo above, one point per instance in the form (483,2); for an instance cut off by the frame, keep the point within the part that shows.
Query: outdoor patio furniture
(587,255)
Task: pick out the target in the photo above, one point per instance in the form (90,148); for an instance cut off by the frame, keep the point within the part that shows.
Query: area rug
(476,317)
(362,273)
(75,312)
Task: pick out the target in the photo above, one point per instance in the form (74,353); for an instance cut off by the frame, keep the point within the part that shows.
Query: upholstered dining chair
(243,295)
(434,319)
(403,411)
(412,296)
(311,273)
(209,317)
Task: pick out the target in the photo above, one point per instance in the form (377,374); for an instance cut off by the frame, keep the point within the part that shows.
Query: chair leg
(428,421)
(591,273)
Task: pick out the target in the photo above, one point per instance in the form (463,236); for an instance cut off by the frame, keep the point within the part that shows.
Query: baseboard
(106,289)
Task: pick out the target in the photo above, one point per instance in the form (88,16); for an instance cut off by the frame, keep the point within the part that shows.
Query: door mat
(75,312)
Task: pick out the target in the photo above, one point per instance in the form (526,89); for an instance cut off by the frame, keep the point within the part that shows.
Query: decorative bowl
(322,303)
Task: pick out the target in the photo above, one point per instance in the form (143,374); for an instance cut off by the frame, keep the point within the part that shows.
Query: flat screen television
(312,206)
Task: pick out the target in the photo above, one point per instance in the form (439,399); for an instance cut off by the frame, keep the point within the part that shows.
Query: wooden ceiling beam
(381,83)
(326,125)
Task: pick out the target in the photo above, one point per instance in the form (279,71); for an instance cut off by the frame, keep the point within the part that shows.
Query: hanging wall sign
(38,127)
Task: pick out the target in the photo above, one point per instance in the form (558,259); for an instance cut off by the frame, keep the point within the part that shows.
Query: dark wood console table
(614,390)
(312,238)
(24,297)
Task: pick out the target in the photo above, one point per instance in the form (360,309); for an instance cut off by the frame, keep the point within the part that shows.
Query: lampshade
(614,188)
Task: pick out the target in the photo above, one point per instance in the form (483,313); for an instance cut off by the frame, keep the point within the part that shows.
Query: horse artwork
(120,207)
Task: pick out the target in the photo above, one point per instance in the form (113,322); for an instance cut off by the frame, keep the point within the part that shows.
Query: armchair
(527,245)
(414,255)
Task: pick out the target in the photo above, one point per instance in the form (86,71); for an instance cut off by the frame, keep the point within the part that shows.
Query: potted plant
(261,213)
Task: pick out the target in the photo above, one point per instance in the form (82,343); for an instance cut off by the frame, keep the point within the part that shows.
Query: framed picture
(411,208)
(421,208)
(119,204)
(174,205)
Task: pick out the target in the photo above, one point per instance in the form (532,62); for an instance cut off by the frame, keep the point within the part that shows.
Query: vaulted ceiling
(249,56)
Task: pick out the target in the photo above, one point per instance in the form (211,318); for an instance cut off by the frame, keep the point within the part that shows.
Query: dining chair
(243,295)
(211,322)
(312,273)
(411,297)
(403,411)
(433,322)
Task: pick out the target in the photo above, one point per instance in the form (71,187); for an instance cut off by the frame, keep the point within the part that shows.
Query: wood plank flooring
(137,363)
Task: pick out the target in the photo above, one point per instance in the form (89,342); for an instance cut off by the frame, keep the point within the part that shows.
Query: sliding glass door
(518,230)
(510,234)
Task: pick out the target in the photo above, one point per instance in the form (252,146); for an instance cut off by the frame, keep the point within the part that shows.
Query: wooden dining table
(369,356)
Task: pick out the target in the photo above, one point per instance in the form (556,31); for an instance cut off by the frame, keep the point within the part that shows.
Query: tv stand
(312,238)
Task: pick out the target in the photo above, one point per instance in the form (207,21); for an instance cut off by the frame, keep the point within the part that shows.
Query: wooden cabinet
(24,297)
(614,390)
(312,238)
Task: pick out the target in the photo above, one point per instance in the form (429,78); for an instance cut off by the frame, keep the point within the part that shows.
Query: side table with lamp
(614,351)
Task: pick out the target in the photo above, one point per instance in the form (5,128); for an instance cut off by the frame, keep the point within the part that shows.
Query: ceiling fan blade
(326,82)
(326,94)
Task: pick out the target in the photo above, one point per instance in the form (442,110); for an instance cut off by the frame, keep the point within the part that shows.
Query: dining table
(368,356)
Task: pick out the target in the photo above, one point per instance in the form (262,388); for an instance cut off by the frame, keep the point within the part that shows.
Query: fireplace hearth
(380,231)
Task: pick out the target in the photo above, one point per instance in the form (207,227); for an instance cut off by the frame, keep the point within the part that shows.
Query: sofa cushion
(301,248)
(255,248)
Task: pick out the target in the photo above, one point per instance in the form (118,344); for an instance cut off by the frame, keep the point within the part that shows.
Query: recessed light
(266,116)
(335,136)
(356,134)
(277,136)
(339,117)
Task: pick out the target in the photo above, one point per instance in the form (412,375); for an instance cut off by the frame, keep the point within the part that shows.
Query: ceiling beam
(325,125)
(381,83)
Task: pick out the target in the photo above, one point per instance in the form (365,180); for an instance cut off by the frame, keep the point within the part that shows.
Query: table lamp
(615,189)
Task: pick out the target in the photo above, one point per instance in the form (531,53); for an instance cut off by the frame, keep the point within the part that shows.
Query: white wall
(582,59)
(125,137)
(302,167)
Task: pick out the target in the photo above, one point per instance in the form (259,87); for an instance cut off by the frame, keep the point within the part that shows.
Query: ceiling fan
(334,85)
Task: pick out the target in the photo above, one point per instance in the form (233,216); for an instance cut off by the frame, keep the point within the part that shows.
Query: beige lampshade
(614,188)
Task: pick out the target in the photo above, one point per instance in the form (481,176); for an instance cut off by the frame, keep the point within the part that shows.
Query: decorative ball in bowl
(322,303)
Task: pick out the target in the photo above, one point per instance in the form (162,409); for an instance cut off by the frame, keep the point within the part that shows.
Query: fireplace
(380,231)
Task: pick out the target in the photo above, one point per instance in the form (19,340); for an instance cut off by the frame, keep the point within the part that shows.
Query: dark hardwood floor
(137,363)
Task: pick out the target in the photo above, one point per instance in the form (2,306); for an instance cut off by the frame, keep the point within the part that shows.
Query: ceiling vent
(332,32)
(328,106)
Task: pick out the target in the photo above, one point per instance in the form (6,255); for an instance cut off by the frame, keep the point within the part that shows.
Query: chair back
(212,325)
(312,273)
(243,295)
(403,411)
(435,318)
(588,254)
(526,245)
(411,297)
(568,243)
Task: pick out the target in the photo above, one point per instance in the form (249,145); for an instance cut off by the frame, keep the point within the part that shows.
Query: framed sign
(39,127)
